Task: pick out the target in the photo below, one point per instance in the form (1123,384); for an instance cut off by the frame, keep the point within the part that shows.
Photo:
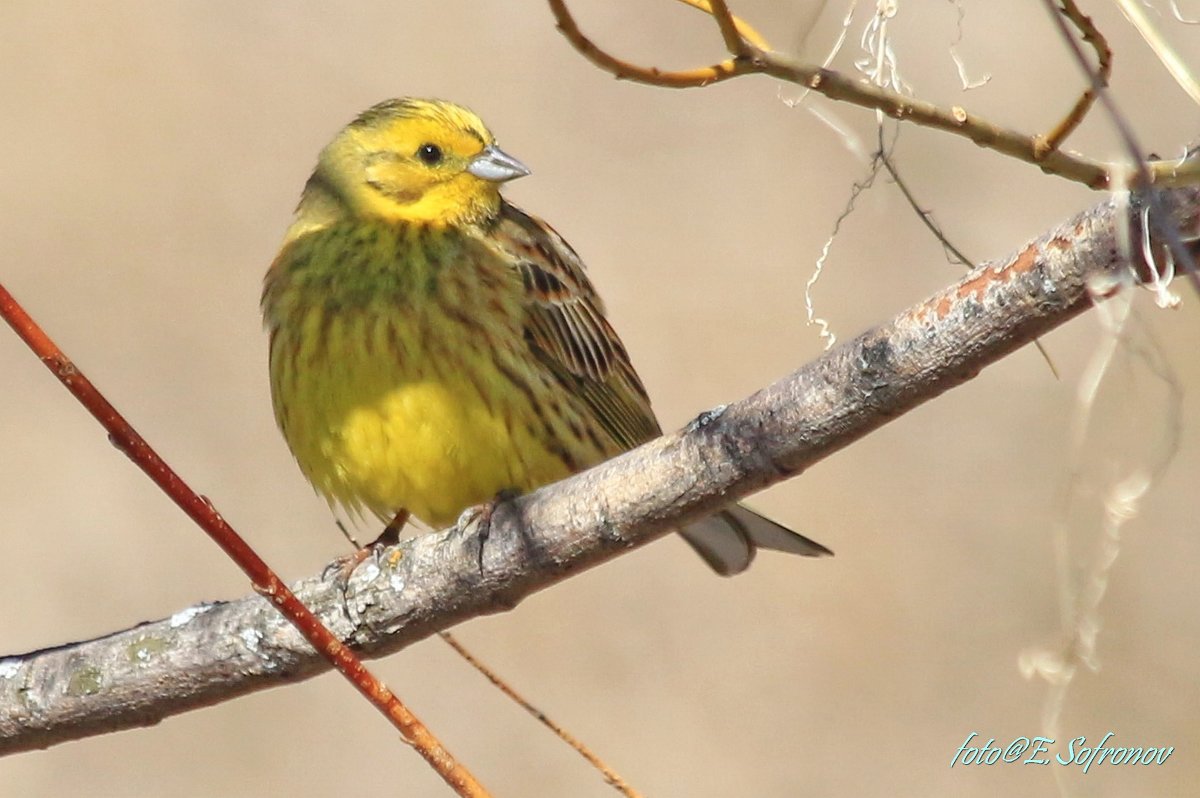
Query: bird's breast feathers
(399,378)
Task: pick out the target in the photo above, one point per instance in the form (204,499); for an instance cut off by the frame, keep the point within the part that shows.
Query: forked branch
(752,55)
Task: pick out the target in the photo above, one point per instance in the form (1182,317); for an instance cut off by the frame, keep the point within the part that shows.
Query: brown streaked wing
(567,328)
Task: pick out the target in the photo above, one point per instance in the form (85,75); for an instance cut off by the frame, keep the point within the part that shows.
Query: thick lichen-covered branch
(213,653)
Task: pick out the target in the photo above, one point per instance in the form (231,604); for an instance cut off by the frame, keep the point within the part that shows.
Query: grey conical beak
(495,165)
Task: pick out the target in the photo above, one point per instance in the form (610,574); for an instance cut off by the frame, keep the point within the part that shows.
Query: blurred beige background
(152,153)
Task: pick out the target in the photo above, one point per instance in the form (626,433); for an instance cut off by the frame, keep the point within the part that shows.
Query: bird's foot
(481,515)
(344,566)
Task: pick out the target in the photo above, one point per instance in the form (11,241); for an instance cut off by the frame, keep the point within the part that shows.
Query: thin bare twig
(699,76)
(264,580)
(734,42)
(925,216)
(835,86)
(610,775)
(1157,215)
(741,28)
(1103,71)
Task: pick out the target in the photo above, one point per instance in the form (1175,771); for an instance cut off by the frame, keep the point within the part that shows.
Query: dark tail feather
(728,540)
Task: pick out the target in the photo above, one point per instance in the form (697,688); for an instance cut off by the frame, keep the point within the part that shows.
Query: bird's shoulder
(567,325)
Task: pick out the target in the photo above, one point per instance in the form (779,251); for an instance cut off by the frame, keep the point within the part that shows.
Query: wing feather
(568,330)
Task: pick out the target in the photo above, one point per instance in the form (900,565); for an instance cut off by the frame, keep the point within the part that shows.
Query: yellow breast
(406,383)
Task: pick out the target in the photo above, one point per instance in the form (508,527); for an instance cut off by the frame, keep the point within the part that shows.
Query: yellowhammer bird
(432,345)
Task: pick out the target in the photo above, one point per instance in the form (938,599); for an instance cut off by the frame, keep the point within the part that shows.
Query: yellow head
(411,160)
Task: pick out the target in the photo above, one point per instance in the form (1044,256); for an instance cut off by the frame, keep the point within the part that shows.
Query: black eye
(430,154)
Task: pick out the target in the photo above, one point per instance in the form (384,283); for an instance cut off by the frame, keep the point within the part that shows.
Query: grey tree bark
(211,653)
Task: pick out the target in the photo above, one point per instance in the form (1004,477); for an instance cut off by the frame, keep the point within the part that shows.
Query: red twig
(265,581)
